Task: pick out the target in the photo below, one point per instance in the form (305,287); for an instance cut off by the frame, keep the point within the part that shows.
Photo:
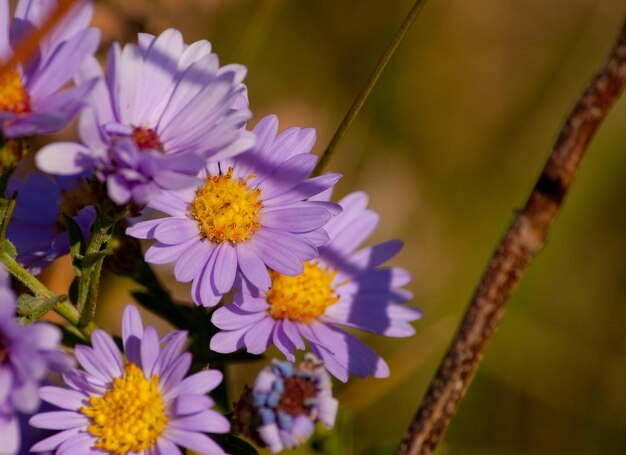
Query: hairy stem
(521,243)
(367,88)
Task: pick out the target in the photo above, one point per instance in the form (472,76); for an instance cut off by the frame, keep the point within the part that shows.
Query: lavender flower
(248,214)
(141,405)
(32,99)
(342,287)
(37,227)
(162,110)
(287,401)
(26,354)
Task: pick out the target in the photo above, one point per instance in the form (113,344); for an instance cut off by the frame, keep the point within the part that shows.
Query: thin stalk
(522,242)
(367,88)
(90,275)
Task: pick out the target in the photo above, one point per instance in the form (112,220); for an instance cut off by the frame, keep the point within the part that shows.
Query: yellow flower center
(13,95)
(226,209)
(302,298)
(131,416)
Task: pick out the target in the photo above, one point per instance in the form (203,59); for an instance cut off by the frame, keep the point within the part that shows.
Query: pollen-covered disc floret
(226,209)
(142,404)
(304,297)
(13,96)
(344,286)
(131,416)
(286,402)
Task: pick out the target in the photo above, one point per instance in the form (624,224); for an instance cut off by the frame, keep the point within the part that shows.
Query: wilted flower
(342,287)
(141,405)
(162,110)
(37,228)
(247,214)
(285,403)
(26,354)
(32,95)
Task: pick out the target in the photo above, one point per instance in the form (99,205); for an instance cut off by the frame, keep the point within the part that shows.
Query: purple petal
(160,253)
(63,158)
(252,267)
(59,420)
(257,338)
(149,350)
(207,422)
(132,333)
(173,231)
(225,267)
(53,442)
(63,398)
(301,218)
(201,383)
(194,441)
(192,261)
(226,342)
(231,317)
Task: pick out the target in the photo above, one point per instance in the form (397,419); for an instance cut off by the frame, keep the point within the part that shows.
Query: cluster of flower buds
(271,259)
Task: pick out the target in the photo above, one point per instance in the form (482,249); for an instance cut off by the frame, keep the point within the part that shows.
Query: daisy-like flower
(162,110)
(247,214)
(342,287)
(27,352)
(37,227)
(286,401)
(141,405)
(32,99)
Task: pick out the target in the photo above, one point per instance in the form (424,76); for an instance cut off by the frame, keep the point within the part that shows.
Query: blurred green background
(448,146)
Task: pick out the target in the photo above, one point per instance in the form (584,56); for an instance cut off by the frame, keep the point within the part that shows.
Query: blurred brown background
(448,146)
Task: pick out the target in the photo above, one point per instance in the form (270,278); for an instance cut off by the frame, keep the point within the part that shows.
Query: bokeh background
(448,146)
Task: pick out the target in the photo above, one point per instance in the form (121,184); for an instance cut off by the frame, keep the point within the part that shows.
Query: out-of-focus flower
(342,287)
(26,354)
(37,227)
(141,405)
(248,214)
(162,110)
(32,95)
(286,402)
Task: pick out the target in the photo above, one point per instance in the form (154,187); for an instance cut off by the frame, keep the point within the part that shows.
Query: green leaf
(32,308)
(9,248)
(233,444)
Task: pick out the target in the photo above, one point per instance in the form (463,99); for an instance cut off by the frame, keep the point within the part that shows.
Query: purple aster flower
(140,405)
(285,403)
(342,287)
(37,227)
(26,354)
(162,110)
(247,214)
(32,99)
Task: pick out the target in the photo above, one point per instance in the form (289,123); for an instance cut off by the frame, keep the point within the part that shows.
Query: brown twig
(522,242)
(29,45)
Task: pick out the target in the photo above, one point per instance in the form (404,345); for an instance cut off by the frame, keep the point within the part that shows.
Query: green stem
(64,308)
(367,88)
(90,274)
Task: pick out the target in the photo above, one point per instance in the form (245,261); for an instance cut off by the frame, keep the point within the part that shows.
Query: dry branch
(522,242)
